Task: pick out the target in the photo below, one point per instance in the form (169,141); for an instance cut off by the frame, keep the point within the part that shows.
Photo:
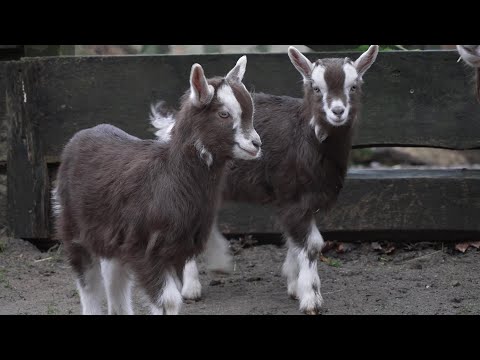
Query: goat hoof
(315,311)
(311,305)
(192,291)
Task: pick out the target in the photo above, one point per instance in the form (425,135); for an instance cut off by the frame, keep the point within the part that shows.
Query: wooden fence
(411,98)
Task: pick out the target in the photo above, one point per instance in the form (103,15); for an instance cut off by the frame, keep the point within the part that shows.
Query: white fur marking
(170,299)
(471,57)
(164,124)
(310,301)
(118,286)
(228,99)
(217,253)
(56,207)
(350,75)
(336,103)
(192,289)
(204,154)
(24,93)
(319,133)
(318,77)
(315,240)
(245,149)
(290,268)
(92,294)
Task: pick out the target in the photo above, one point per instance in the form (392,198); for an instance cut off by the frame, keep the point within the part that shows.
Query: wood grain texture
(382,200)
(27,175)
(410,98)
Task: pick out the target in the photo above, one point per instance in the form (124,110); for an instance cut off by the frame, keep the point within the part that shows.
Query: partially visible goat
(471,55)
(306,145)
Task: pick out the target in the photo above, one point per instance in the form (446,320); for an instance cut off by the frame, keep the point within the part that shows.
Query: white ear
(470,54)
(237,73)
(301,63)
(201,93)
(366,60)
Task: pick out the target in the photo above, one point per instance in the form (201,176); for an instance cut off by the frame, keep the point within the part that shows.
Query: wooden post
(27,176)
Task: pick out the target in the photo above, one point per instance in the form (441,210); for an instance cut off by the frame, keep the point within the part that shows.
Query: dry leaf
(462,247)
(328,246)
(376,246)
(475,244)
(389,250)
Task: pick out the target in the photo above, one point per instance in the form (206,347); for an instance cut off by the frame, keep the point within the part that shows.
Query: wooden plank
(11,52)
(382,201)
(3,123)
(411,98)
(49,50)
(27,176)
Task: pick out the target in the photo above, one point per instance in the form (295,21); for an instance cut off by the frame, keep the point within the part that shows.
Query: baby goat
(132,209)
(471,55)
(306,145)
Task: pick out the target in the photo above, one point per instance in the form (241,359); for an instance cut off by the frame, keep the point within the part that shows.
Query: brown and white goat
(306,145)
(471,55)
(131,209)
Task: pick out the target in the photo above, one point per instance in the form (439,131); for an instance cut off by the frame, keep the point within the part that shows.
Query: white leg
(308,286)
(217,253)
(192,289)
(170,300)
(290,268)
(155,310)
(119,287)
(91,290)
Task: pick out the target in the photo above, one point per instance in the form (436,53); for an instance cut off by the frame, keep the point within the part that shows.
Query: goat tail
(163,119)
(56,207)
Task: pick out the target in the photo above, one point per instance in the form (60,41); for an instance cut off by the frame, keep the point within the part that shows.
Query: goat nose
(338,110)
(257,143)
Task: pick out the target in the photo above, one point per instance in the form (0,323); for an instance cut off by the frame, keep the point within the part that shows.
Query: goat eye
(316,89)
(353,88)
(223,114)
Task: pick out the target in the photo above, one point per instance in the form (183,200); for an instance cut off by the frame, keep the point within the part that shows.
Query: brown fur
(148,204)
(297,173)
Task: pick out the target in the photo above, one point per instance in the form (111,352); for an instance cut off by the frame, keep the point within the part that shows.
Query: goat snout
(257,143)
(248,146)
(338,110)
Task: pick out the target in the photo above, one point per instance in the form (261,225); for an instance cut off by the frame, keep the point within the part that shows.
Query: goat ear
(363,63)
(201,93)
(237,73)
(301,63)
(470,54)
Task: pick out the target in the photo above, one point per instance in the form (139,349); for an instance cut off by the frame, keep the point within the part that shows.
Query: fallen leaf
(328,246)
(389,250)
(376,246)
(475,244)
(462,247)
(341,248)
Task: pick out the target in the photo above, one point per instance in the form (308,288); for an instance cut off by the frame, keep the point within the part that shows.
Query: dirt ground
(421,278)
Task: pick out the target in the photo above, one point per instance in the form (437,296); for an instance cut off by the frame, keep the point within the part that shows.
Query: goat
(471,55)
(137,210)
(306,146)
